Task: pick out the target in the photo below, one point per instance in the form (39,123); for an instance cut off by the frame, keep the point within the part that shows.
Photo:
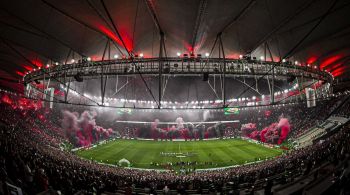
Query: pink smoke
(248,128)
(82,128)
(262,134)
(270,133)
(284,125)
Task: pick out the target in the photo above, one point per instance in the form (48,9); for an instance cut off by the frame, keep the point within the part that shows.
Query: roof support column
(273,73)
(103,77)
(66,91)
(160,69)
(224,70)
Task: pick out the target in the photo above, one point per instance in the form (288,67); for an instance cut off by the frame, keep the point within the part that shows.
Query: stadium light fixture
(283,60)
(115,56)
(178,54)
(56,63)
(88,59)
(141,55)
(296,62)
(73,60)
(207,54)
(262,58)
(47,65)
(240,56)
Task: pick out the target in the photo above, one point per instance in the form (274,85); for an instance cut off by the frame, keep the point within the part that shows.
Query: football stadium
(174,97)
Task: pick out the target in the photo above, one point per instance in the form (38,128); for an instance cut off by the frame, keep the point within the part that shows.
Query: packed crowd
(31,158)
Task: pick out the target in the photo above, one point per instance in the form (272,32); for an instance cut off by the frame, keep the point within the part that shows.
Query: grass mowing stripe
(238,155)
(243,153)
(100,151)
(259,151)
(117,154)
(213,157)
(231,154)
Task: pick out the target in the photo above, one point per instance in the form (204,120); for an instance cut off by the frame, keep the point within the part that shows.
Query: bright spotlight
(56,63)
(88,59)
(115,56)
(47,65)
(296,62)
(72,60)
(240,56)
(206,54)
(283,60)
(178,54)
(262,58)
(141,55)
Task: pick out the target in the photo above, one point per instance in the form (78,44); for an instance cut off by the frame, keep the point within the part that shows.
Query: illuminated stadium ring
(177,66)
(86,69)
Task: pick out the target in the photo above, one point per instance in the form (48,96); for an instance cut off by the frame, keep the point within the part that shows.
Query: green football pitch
(159,154)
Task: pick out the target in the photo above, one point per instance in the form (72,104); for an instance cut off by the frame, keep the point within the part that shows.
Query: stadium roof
(34,33)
